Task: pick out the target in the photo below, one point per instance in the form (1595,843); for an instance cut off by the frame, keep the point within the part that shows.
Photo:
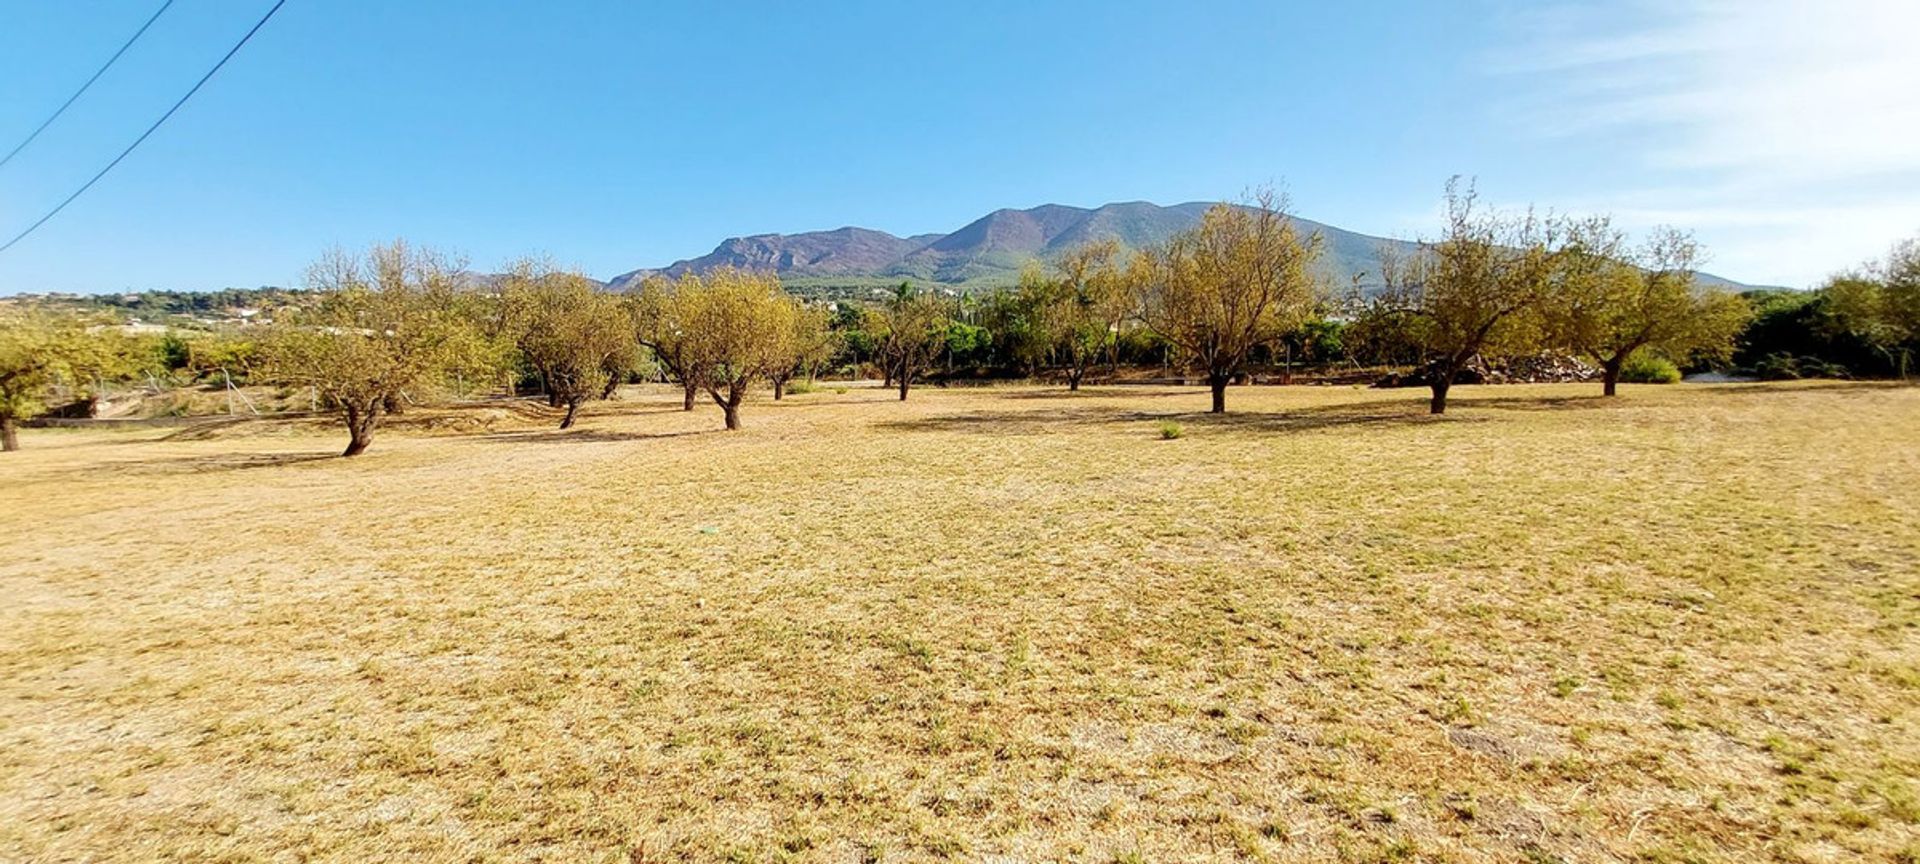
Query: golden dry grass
(996,625)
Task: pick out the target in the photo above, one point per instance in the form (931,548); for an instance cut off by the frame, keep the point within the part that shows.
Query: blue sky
(614,135)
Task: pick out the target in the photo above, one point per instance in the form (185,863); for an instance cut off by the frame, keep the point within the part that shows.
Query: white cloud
(1786,133)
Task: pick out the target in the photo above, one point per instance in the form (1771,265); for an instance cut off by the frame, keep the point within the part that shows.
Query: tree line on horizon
(398,325)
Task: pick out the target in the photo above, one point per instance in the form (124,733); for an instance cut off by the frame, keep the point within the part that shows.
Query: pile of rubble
(1543,368)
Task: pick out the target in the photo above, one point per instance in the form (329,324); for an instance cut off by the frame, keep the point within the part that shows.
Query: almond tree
(659,320)
(1468,293)
(1075,308)
(1605,304)
(385,324)
(811,343)
(739,327)
(36,351)
(1239,280)
(911,327)
(578,338)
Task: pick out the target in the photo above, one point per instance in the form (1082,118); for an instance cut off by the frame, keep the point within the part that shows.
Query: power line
(83,88)
(150,129)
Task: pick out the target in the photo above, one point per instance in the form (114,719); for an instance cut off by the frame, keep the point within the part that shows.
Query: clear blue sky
(613,135)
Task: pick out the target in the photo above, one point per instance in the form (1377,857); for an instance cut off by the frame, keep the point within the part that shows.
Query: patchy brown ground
(1001,625)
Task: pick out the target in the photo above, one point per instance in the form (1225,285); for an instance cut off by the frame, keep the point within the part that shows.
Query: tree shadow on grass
(1110,391)
(222,462)
(1376,414)
(1810,385)
(1528,403)
(582,436)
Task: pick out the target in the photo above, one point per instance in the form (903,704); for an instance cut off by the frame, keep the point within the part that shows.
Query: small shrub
(1170,430)
(799,388)
(1777,367)
(1648,369)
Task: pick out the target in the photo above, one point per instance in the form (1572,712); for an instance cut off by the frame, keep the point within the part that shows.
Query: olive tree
(1468,293)
(1240,279)
(739,328)
(911,328)
(1605,303)
(385,324)
(577,337)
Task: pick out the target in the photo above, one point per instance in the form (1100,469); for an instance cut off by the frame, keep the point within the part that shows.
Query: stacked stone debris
(1544,368)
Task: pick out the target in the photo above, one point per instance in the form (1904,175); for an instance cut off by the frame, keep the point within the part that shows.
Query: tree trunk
(1440,387)
(1217,381)
(690,390)
(903,385)
(730,403)
(9,435)
(613,386)
(573,407)
(732,406)
(360,428)
(1610,375)
(1073,379)
(779,388)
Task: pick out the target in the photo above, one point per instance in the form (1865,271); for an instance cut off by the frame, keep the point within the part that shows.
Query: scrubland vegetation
(565,610)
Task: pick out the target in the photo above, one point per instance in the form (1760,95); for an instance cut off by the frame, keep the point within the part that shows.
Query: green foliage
(1782,366)
(1647,368)
(1880,304)
(388,325)
(1170,430)
(1608,303)
(1789,327)
(1240,280)
(578,338)
(47,355)
(1469,293)
(967,341)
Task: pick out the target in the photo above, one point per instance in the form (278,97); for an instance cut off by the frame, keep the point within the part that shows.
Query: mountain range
(990,250)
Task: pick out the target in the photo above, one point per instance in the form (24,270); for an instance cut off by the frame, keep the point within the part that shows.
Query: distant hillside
(990,250)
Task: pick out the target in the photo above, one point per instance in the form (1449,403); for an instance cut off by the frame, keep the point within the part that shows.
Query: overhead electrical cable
(150,129)
(83,88)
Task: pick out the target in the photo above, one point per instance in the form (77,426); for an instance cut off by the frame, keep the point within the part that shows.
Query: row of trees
(394,326)
(1504,284)
(399,324)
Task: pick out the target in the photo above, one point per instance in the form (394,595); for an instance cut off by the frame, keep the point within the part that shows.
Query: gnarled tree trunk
(729,401)
(779,388)
(689,390)
(1217,382)
(573,407)
(9,435)
(360,422)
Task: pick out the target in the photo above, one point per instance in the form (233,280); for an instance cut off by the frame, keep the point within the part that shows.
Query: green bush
(1648,369)
(1777,367)
(1170,430)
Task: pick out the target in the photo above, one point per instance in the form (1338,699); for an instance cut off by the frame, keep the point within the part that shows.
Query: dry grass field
(1005,624)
